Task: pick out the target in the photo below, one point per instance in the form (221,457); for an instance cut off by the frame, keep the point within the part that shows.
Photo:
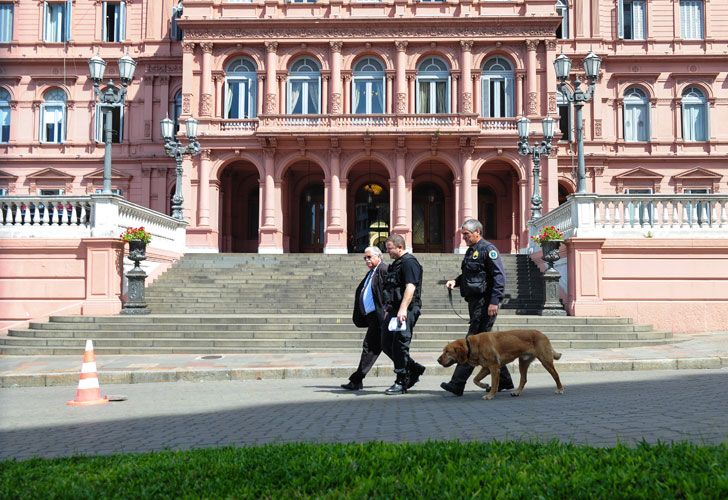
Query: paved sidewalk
(687,352)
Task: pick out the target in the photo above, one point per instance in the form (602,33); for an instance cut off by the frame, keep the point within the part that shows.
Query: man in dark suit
(369,314)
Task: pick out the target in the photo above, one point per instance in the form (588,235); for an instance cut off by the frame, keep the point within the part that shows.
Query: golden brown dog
(492,349)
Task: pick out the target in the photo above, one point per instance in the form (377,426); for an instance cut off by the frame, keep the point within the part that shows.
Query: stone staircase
(236,303)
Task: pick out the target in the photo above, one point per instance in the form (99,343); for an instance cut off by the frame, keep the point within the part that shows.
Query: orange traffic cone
(89,391)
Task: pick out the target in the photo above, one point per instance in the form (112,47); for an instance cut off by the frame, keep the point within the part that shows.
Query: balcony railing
(63,217)
(640,216)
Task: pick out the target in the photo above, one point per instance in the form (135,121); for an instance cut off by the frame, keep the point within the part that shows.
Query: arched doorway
(428,219)
(239,209)
(564,192)
(371,217)
(312,219)
(488,212)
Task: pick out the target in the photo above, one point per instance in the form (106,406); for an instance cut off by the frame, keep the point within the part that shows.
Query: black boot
(456,389)
(414,374)
(399,386)
(355,382)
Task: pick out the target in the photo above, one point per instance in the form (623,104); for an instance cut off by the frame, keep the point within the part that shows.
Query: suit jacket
(358,317)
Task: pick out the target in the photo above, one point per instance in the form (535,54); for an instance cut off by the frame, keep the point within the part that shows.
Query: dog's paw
(559,391)
(489,396)
(515,394)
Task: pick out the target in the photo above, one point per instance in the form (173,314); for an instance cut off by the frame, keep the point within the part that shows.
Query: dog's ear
(460,350)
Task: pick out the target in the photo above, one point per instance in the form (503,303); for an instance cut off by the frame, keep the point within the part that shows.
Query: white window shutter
(620,18)
(67,20)
(638,20)
(122,21)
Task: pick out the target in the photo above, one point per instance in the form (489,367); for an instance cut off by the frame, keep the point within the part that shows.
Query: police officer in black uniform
(402,294)
(482,282)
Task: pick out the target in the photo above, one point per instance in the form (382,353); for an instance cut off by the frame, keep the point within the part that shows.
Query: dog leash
(449,296)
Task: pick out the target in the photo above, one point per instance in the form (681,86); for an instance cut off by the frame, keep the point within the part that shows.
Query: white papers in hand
(395,325)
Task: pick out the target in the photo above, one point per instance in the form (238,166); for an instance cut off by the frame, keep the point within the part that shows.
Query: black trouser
(479,322)
(371,348)
(396,344)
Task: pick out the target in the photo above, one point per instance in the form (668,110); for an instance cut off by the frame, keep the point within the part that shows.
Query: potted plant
(138,238)
(550,239)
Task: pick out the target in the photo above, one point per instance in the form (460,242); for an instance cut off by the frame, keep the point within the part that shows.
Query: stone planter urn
(550,252)
(135,300)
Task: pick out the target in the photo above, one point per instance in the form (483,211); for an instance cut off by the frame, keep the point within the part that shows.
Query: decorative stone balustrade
(66,217)
(679,216)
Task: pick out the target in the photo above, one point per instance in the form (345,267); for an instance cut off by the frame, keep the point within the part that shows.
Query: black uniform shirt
(482,273)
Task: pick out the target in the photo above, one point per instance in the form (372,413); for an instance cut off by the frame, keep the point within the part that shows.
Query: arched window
(565,116)
(367,87)
(53,116)
(497,88)
(241,89)
(562,9)
(304,84)
(694,115)
(636,116)
(4,115)
(176,110)
(433,86)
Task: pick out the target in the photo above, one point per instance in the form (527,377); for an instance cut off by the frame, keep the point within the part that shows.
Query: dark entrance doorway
(488,213)
(371,217)
(428,217)
(312,219)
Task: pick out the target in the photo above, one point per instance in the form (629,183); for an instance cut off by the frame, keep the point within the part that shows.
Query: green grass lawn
(382,470)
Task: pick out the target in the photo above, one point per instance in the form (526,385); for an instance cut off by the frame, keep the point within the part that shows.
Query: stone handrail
(90,216)
(662,216)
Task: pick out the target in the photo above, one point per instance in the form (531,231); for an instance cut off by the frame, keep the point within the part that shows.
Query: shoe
(395,389)
(455,389)
(417,370)
(353,386)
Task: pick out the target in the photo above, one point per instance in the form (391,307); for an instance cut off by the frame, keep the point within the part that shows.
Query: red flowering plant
(136,233)
(548,233)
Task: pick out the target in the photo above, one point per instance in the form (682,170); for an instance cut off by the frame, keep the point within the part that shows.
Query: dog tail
(557,355)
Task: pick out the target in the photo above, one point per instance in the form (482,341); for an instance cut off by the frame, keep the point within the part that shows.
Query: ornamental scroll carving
(187,104)
(467,102)
(188,47)
(271,104)
(598,128)
(552,102)
(336,102)
(401,102)
(532,103)
(336,46)
(467,45)
(482,30)
(206,47)
(531,44)
(206,105)
(271,46)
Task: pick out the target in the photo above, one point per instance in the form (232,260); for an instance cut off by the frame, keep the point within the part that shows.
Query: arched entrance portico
(368,206)
(239,209)
(499,205)
(303,206)
(432,208)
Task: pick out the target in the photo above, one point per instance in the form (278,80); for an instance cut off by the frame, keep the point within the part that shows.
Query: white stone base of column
(460,250)
(335,250)
(270,250)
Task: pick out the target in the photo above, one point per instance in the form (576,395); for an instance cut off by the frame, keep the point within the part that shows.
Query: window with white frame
(301,1)
(4,115)
(241,89)
(57,21)
(433,86)
(6,21)
(632,22)
(51,192)
(636,116)
(565,116)
(562,9)
(692,20)
(367,87)
(117,122)
(640,211)
(694,115)
(176,110)
(175,33)
(3,192)
(304,84)
(114,16)
(53,116)
(497,88)
(113,191)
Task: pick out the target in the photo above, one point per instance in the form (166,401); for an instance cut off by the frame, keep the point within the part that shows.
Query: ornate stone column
(336,89)
(390,89)
(271,240)
(532,108)
(347,94)
(454,94)
(188,65)
(282,93)
(412,106)
(261,94)
(401,76)
(271,64)
(147,83)
(324,94)
(203,186)
(400,223)
(520,106)
(466,62)
(206,84)
(335,234)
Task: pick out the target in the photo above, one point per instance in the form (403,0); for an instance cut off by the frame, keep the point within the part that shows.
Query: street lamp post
(174,149)
(110,96)
(544,148)
(575,94)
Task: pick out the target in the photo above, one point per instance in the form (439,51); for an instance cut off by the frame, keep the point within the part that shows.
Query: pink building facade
(325,125)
